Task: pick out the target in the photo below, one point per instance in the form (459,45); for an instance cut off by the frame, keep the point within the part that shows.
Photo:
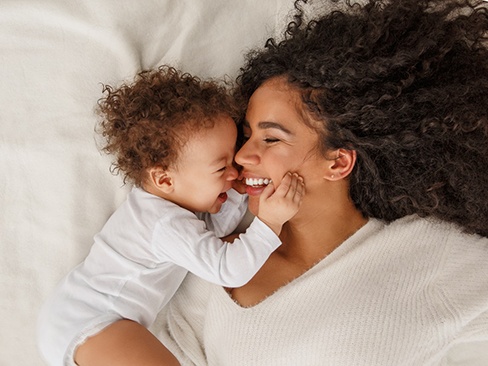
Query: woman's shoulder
(459,264)
(445,244)
(431,229)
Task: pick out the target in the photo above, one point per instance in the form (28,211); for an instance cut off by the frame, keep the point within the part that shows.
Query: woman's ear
(341,164)
(161,179)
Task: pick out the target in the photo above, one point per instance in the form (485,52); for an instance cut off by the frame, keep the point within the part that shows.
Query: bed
(56,190)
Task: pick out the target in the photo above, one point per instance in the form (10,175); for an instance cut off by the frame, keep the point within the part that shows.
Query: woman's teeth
(257,181)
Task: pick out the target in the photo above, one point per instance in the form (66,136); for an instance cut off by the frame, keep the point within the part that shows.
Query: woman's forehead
(279,84)
(276,100)
(274,97)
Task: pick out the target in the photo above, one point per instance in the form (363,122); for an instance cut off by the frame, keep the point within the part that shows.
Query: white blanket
(55,187)
(56,190)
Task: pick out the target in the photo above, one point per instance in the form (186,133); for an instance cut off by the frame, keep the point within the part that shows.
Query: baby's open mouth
(222,197)
(258,182)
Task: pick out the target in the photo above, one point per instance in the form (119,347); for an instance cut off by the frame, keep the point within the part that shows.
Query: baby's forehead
(209,136)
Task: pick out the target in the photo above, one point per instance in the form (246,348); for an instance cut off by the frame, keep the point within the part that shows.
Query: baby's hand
(278,206)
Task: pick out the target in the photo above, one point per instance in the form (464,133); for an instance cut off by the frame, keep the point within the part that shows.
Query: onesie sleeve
(183,239)
(230,215)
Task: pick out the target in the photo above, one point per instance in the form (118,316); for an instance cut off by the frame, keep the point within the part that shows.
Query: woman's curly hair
(405,84)
(146,123)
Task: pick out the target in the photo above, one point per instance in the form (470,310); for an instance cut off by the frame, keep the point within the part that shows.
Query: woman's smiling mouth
(255,186)
(257,182)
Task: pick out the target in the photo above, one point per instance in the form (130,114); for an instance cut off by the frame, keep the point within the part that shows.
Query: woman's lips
(255,186)
(254,191)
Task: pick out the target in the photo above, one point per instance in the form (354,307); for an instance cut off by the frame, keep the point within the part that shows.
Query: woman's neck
(325,220)
(318,230)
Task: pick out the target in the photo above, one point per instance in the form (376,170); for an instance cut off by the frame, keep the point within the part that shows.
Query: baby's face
(205,168)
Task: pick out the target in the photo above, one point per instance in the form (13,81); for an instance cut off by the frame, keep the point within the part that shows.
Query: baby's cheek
(239,186)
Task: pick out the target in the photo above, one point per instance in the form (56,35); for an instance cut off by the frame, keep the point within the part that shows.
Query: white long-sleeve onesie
(138,261)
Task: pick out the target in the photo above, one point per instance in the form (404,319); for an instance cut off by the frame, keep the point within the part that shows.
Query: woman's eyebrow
(265,125)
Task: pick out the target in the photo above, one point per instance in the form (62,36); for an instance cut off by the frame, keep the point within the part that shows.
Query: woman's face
(278,141)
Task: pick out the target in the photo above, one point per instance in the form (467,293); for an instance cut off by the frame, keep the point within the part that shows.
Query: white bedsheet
(56,190)
(55,187)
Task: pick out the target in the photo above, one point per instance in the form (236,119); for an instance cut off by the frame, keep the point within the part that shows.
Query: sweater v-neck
(372,227)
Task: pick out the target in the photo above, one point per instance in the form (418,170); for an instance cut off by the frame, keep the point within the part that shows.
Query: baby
(173,137)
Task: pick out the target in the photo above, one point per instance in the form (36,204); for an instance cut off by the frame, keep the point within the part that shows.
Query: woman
(383,109)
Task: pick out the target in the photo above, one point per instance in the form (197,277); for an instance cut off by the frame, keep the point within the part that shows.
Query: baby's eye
(221,169)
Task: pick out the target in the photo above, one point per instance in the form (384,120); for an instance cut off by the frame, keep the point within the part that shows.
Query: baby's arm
(278,206)
(201,252)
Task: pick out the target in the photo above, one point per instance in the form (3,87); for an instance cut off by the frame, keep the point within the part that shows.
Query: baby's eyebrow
(218,161)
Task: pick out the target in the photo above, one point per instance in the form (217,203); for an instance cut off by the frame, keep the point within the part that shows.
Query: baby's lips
(223,197)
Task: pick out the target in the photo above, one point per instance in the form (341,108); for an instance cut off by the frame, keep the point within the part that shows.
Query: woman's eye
(270,140)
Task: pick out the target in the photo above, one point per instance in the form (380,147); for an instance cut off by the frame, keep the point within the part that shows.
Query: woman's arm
(124,343)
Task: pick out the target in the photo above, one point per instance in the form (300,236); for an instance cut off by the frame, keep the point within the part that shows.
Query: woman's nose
(245,155)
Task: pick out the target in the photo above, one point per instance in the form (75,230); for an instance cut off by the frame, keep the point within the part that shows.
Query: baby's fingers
(268,191)
(299,190)
(284,186)
(293,186)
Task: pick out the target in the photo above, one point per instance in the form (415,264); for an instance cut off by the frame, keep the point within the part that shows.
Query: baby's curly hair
(146,123)
(405,84)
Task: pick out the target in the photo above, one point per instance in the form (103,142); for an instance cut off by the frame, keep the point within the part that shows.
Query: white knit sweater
(398,294)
